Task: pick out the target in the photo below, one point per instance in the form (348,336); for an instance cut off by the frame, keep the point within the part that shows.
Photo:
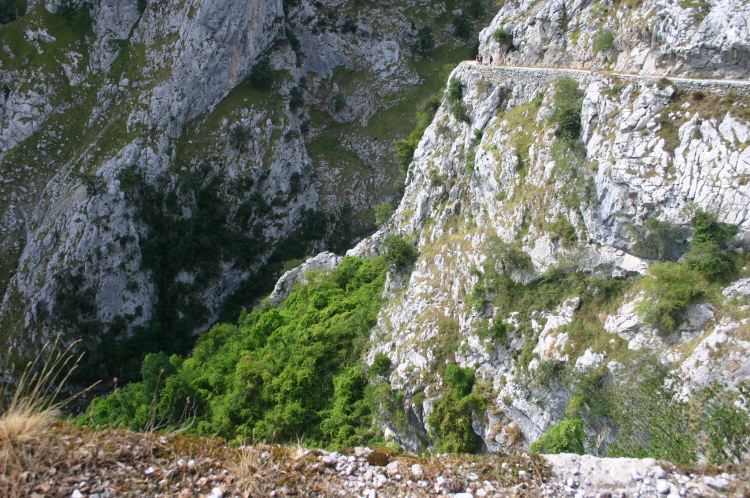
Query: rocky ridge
(486,194)
(119,463)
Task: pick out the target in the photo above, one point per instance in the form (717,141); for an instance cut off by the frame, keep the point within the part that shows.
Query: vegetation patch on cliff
(279,374)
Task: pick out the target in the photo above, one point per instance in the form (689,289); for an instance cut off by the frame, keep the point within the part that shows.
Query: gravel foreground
(72,462)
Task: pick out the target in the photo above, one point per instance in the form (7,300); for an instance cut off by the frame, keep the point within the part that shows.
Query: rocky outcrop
(492,190)
(298,275)
(650,37)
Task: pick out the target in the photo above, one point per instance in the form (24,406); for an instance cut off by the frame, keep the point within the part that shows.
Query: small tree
(425,41)
(669,288)
(400,252)
(381,365)
(503,38)
(261,76)
(462,26)
(567,111)
(383,212)
(239,136)
(455,100)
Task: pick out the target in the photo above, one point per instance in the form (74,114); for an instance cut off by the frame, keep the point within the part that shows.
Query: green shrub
(604,41)
(455,97)
(479,293)
(498,331)
(425,41)
(10,10)
(238,136)
(338,101)
(566,436)
(348,420)
(261,75)
(710,260)
(400,252)
(296,99)
(405,148)
(383,212)
(503,38)
(567,109)
(381,365)
(563,230)
(650,421)
(707,228)
(451,418)
(725,423)
(709,253)
(669,287)
(476,8)
(281,373)
(462,26)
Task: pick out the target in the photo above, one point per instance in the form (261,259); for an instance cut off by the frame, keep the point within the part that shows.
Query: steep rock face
(493,196)
(149,177)
(709,39)
(83,236)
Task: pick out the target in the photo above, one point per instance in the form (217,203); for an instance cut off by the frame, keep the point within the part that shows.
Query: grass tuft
(28,408)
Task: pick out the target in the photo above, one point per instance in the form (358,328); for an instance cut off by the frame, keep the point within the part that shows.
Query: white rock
(417,471)
(663,487)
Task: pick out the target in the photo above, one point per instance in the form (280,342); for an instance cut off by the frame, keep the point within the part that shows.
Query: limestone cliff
(161,160)
(531,246)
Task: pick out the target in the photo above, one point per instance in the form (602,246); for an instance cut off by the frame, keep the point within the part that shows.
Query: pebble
(216,493)
(463,495)
(663,487)
(380,480)
(659,472)
(717,482)
(417,471)
(76,494)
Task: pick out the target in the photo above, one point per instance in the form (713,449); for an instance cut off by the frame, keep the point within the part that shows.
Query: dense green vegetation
(261,75)
(454,98)
(564,437)
(400,252)
(10,10)
(604,41)
(651,422)
(566,114)
(670,287)
(451,418)
(383,212)
(280,374)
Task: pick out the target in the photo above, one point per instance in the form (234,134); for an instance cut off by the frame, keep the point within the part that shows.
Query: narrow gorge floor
(68,461)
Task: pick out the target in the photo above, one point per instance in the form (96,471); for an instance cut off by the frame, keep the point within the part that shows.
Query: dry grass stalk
(28,407)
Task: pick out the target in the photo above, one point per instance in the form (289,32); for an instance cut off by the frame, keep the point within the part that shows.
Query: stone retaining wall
(545,76)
